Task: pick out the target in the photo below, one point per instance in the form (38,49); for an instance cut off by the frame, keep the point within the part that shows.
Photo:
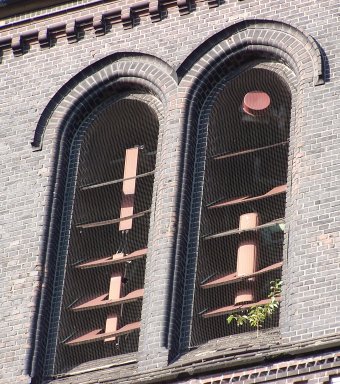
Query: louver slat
(248,151)
(247,199)
(115,259)
(233,278)
(238,231)
(235,308)
(113,221)
(103,301)
(99,335)
(105,184)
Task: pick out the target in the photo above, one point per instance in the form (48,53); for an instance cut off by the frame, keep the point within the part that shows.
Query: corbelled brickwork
(58,66)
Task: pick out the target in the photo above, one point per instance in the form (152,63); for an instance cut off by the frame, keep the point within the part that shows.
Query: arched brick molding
(96,82)
(271,38)
(152,82)
(286,51)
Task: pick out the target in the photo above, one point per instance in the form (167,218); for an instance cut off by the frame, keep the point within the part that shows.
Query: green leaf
(257,315)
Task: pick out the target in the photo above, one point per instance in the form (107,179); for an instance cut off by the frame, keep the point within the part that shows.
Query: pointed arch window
(110,200)
(241,238)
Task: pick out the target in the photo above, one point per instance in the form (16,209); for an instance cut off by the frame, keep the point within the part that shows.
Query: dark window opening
(104,280)
(243,206)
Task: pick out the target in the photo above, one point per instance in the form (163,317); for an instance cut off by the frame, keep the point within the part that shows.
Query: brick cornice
(99,22)
(11,8)
(286,361)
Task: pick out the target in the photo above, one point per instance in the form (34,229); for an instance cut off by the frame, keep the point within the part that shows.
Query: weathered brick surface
(32,72)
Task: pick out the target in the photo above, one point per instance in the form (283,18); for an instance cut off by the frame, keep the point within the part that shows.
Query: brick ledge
(281,361)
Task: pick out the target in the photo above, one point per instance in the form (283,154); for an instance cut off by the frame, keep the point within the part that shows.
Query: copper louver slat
(115,259)
(103,301)
(238,231)
(246,199)
(233,278)
(99,335)
(248,151)
(235,308)
(113,221)
(107,183)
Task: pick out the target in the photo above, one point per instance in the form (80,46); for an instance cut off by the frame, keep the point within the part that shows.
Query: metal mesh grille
(104,279)
(245,179)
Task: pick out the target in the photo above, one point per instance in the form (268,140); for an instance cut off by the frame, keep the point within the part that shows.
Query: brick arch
(289,80)
(222,56)
(267,38)
(116,75)
(95,83)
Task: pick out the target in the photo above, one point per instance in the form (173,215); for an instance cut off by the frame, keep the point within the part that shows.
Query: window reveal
(242,220)
(111,219)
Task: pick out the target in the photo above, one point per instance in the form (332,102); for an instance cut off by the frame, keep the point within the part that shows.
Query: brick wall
(37,72)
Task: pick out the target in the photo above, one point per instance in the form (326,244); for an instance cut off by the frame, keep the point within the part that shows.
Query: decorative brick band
(101,23)
(284,370)
(274,367)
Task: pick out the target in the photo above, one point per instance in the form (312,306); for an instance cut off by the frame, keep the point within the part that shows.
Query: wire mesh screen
(243,207)
(103,289)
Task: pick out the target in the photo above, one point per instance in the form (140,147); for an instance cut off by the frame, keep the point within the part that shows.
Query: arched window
(106,227)
(241,236)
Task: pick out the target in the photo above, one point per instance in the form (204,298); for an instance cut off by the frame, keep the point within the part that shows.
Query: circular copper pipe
(255,103)
(244,295)
(247,258)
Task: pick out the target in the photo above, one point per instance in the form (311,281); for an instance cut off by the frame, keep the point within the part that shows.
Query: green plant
(257,314)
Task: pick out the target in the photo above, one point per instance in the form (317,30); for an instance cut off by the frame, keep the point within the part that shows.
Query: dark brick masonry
(56,67)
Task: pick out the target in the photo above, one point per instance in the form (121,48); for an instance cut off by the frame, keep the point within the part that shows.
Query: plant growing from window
(257,315)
